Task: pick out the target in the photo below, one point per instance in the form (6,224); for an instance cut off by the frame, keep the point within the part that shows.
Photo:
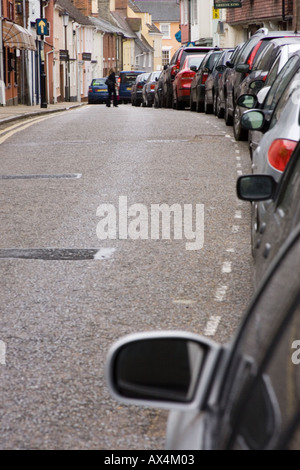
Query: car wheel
(238,131)
(199,106)
(207,107)
(219,110)
(228,119)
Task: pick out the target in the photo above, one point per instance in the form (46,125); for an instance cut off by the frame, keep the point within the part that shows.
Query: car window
(273,72)
(212,59)
(195,60)
(261,392)
(128,78)
(292,89)
(236,52)
(246,50)
(282,80)
(262,59)
(98,81)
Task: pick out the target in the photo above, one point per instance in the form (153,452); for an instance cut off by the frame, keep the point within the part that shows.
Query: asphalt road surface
(67,294)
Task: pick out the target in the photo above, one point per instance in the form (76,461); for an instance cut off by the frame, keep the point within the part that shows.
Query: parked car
(149,88)
(174,67)
(137,89)
(220,105)
(197,93)
(158,97)
(212,82)
(268,52)
(183,79)
(241,395)
(282,212)
(244,64)
(277,120)
(276,145)
(282,71)
(97,92)
(125,81)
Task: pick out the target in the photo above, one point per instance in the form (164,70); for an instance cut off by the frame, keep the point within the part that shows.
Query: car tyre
(228,119)
(239,133)
(192,104)
(208,109)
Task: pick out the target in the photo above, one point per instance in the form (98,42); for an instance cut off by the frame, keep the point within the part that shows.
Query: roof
(74,13)
(161,10)
(120,18)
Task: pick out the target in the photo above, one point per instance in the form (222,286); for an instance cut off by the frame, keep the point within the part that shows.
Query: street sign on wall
(227,4)
(42,27)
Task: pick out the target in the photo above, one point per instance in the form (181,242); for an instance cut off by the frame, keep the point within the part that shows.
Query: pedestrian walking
(111,86)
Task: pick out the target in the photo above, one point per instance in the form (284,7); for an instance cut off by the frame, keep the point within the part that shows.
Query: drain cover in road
(57,254)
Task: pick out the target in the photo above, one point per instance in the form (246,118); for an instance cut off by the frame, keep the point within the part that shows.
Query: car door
(259,403)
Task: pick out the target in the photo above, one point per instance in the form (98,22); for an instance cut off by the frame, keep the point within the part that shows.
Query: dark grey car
(241,395)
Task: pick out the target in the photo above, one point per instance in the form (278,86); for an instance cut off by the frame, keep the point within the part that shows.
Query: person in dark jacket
(111,86)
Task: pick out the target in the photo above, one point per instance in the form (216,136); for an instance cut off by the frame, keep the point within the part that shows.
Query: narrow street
(67,295)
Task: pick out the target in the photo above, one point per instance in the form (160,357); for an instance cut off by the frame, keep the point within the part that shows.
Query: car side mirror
(164,369)
(165,67)
(242,68)
(247,101)
(256,187)
(253,120)
(229,64)
(256,85)
(194,68)
(221,68)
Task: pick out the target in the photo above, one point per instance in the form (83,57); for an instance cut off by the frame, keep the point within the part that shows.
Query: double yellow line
(11,130)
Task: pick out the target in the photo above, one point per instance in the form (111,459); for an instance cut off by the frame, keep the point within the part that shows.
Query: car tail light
(187,75)
(152,86)
(139,85)
(90,89)
(204,78)
(280,152)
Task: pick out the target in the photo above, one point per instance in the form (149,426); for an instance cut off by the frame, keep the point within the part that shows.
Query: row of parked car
(244,394)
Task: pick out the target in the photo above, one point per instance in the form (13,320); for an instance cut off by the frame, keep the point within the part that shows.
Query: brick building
(254,14)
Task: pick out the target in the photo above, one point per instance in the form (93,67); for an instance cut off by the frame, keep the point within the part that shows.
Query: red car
(183,79)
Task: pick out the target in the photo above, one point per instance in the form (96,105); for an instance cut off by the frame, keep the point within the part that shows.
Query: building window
(165,57)
(194,12)
(184,11)
(165,29)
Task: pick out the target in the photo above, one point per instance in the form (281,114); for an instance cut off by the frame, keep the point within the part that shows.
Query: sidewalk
(13,113)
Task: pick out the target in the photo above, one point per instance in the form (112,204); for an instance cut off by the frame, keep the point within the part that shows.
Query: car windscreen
(98,82)
(128,78)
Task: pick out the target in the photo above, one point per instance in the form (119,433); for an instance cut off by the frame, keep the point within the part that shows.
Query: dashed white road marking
(220,293)
(226,267)
(238,215)
(2,353)
(184,301)
(212,325)
(235,229)
(104,253)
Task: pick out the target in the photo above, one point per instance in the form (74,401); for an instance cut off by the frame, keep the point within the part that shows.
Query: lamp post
(65,16)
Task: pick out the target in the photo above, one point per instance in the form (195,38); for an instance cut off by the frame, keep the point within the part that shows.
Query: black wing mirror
(256,187)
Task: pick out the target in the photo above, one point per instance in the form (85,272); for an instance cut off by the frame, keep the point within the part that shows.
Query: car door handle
(267,250)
